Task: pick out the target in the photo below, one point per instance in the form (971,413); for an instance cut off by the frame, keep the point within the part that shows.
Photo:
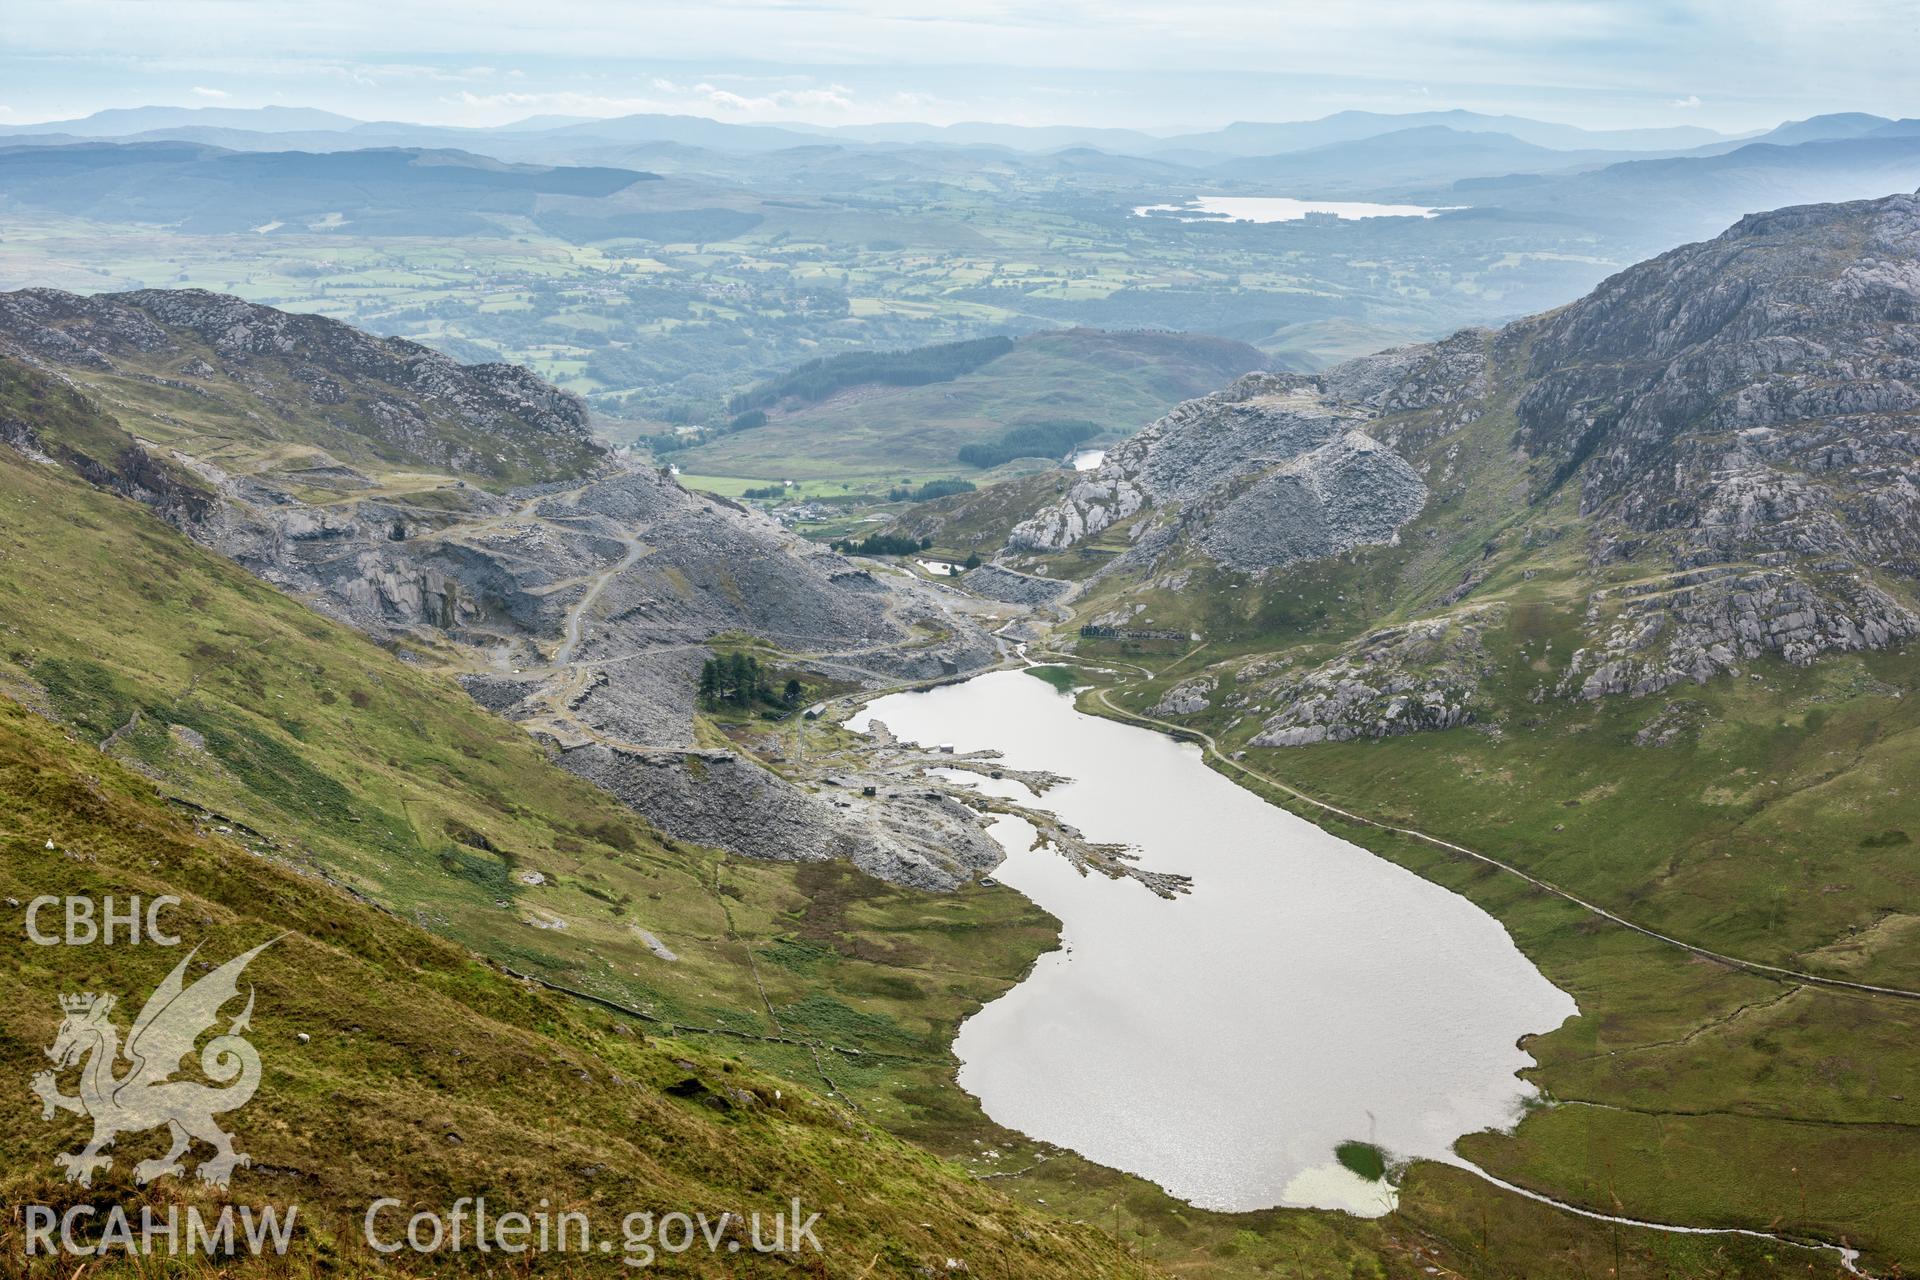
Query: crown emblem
(146,1096)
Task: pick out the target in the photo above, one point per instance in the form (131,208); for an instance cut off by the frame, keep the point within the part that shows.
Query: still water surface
(1223,1043)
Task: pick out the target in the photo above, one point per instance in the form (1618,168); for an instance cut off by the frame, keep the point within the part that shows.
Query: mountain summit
(1705,461)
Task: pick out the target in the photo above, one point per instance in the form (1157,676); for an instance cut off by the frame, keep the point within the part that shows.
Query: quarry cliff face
(596,605)
(1741,414)
(1729,434)
(449,509)
(1269,472)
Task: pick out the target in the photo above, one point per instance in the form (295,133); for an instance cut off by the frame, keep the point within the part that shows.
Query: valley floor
(1725,1072)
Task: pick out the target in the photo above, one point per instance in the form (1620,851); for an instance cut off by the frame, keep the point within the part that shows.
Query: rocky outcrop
(1754,394)
(1351,492)
(1267,473)
(1716,454)
(1088,507)
(1748,410)
(1423,675)
(1700,624)
(1790,338)
(1188,698)
(381,397)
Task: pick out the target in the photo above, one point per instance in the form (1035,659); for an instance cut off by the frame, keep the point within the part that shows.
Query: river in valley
(1223,1043)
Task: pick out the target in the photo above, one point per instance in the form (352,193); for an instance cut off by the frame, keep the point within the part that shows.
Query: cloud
(835,97)
(1137,62)
(702,98)
(201,91)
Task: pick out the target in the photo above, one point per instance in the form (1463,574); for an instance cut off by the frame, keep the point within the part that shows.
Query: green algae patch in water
(1362,1159)
(1061,678)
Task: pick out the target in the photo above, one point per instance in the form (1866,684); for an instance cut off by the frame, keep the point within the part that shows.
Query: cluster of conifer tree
(737,680)
(882,544)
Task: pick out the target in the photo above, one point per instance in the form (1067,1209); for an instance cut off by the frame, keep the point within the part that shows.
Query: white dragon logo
(146,1097)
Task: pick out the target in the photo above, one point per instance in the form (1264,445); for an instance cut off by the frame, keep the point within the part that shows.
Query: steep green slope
(323,750)
(316,748)
(397,1065)
(1648,642)
(387,778)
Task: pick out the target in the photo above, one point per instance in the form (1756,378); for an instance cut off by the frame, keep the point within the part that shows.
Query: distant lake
(1088,459)
(1277,209)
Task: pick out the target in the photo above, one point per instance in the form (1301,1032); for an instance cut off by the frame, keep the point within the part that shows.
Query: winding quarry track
(577,616)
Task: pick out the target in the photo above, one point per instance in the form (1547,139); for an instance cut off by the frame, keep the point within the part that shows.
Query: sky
(1732,65)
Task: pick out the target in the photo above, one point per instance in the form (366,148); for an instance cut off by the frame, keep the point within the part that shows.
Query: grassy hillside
(353,768)
(319,404)
(1118,381)
(396,1064)
(979,521)
(1767,816)
(1773,828)
(384,777)
(817,379)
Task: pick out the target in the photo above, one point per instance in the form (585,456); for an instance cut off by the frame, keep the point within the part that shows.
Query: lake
(1223,1043)
(1278,209)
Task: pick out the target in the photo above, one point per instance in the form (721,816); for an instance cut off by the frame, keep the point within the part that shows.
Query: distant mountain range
(1351,126)
(1348,152)
(120,122)
(559,135)
(713,194)
(204,189)
(1421,155)
(1673,198)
